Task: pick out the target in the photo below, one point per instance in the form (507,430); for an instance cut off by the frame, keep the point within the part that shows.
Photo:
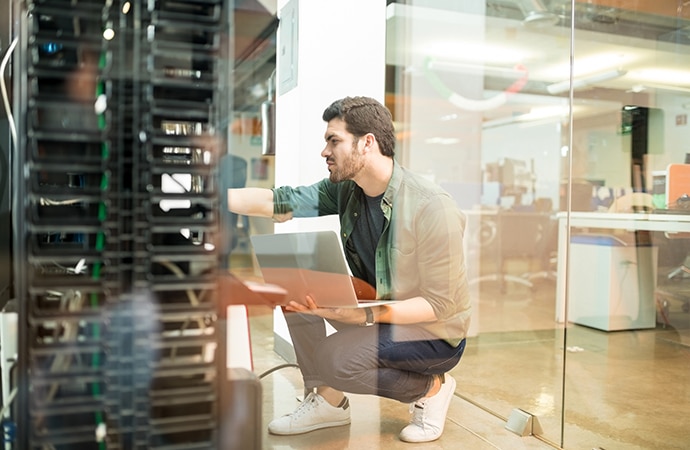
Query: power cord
(8,402)
(278,367)
(4,160)
(3,88)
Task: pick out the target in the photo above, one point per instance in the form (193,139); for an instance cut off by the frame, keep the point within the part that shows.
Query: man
(403,235)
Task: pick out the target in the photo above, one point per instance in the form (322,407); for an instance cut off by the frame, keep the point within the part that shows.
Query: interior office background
(481,96)
(521,107)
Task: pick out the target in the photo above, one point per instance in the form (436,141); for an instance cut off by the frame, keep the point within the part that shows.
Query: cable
(70,301)
(7,405)
(4,160)
(5,97)
(273,369)
(175,269)
(193,299)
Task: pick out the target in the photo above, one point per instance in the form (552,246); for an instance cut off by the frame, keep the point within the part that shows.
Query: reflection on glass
(574,132)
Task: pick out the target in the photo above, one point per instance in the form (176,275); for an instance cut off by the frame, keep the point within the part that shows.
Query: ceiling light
(537,19)
(586,65)
(563,86)
(477,53)
(442,141)
(536,14)
(479,69)
(668,77)
(658,87)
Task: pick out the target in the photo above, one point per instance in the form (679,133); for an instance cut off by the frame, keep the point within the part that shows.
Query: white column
(340,52)
(337,50)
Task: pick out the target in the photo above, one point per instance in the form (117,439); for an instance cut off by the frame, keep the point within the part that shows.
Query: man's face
(342,152)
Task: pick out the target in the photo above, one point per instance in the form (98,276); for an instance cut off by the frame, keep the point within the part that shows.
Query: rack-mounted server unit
(120,108)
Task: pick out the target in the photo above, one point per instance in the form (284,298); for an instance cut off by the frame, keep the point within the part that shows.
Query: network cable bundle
(119,108)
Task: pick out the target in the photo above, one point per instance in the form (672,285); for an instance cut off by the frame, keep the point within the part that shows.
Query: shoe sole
(311,428)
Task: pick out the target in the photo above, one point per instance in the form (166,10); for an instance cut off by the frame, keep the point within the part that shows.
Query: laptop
(234,291)
(308,263)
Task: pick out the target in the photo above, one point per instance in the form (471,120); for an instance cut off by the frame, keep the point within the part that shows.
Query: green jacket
(420,252)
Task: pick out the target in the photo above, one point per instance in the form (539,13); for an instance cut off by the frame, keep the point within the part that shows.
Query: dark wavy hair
(364,115)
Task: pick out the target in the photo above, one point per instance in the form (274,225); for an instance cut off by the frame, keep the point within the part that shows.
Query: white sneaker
(312,414)
(429,415)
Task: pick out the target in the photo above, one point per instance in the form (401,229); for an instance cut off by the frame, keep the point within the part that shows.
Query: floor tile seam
(495,344)
(473,433)
(485,412)
(674,343)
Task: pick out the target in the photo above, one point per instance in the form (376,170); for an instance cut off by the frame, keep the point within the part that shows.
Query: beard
(348,167)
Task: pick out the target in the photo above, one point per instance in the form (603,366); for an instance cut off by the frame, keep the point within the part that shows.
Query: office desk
(671,223)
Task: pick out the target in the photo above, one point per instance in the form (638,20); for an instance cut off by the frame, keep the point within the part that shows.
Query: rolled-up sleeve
(314,200)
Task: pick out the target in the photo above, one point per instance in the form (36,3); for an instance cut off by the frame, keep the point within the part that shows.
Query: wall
(340,47)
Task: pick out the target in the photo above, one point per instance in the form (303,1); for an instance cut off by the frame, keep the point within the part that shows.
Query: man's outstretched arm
(254,201)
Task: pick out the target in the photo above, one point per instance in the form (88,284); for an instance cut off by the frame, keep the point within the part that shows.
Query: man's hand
(345,315)
(413,310)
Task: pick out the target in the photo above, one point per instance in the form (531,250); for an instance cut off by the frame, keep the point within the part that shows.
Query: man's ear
(369,141)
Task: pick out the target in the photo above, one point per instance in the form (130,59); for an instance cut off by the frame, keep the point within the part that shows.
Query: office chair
(513,234)
(675,285)
(546,250)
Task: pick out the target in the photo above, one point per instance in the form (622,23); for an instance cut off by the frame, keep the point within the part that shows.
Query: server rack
(120,110)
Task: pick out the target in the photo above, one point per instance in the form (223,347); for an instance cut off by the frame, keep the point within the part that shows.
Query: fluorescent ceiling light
(563,86)
(659,87)
(480,69)
(555,113)
(442,141)
(540,114)
(540,19)
(586,65)
(668,77)
(475,53)
(536,14)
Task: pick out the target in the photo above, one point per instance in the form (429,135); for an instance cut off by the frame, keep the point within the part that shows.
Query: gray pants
(393,361)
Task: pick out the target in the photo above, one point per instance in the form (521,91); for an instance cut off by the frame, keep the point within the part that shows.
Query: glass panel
(629,331)
(578,321)
(468,86)
(250,161)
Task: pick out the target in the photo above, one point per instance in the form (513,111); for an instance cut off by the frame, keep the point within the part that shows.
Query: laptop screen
(319,250)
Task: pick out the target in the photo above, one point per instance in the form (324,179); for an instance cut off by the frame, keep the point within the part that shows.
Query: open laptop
(308,263)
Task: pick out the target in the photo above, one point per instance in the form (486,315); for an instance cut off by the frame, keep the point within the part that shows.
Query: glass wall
(627,345)
(560,128)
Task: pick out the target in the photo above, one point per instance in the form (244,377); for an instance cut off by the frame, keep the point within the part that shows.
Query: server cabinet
(120,110)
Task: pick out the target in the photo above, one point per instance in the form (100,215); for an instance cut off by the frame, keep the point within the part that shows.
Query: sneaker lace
(308,404)
(417,411)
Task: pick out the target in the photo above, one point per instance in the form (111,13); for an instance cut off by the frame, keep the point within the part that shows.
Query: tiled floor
(627,390)
(621,390)
(375,421)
